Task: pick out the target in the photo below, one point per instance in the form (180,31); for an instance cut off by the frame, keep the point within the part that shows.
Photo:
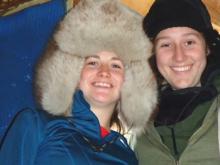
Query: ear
(207,51)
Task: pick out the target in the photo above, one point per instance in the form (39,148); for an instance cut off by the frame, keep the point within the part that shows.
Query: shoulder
(24,119)
(30,118)
(25,134)
(30,124)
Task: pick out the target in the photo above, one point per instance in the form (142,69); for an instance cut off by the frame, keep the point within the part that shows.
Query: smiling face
(181,56)
(101,79)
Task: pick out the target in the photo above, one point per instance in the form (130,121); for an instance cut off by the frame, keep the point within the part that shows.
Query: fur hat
(90,27)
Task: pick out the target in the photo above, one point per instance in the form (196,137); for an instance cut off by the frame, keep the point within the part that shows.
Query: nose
(179,54)
(104,71)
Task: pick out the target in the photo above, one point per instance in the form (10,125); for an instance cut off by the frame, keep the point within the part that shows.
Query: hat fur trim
(93,26)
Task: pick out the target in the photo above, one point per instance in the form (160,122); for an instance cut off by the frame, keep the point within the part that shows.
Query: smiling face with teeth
(101,79)
(181,56)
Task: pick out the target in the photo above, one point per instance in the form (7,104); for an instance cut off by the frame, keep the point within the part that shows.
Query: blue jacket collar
(85,120)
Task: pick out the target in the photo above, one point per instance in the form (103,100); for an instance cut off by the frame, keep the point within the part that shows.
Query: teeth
(182,68)
(102,84)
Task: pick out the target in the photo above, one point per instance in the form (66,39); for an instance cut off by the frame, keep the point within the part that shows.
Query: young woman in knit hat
(186,61)
(89,80)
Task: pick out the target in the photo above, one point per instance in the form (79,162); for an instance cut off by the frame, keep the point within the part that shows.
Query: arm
(60,146)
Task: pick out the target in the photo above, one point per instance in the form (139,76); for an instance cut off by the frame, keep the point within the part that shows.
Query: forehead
(105,55)
(176,32)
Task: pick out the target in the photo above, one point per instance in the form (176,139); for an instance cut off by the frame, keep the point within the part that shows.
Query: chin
(181,85)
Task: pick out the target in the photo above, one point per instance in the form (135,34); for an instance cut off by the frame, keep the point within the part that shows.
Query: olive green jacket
(202,148)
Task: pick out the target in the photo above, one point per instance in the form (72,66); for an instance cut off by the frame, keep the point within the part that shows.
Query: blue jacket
(39,138)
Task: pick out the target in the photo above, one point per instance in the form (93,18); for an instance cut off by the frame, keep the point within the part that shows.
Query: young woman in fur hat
(186,61)
(89,80)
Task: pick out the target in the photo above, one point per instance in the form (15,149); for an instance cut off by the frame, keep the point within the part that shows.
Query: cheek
(121,82)
(120,79)
(161,61)
(83,79)
(203,63)
(202,58)
(81,84)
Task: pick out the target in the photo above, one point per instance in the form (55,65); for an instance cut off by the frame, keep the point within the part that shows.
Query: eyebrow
(185,34)
(160,38)
(97,57)
(116,58)
(92,56)
(193,34)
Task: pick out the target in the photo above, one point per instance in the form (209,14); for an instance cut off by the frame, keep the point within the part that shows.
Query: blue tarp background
(23,37)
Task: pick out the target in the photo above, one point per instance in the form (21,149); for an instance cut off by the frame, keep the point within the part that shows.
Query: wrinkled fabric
(38,138)
(177,105)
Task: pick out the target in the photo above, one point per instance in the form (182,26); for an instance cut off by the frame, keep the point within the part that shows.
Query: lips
(102,84)
(181,68)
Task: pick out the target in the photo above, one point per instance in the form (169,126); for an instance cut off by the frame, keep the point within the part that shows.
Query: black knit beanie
(180,13)
(176,13)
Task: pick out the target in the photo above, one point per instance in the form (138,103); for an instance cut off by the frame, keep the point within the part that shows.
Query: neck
(104,115)
(177,105)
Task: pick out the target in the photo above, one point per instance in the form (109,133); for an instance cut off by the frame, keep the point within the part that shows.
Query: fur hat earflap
(90,27)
